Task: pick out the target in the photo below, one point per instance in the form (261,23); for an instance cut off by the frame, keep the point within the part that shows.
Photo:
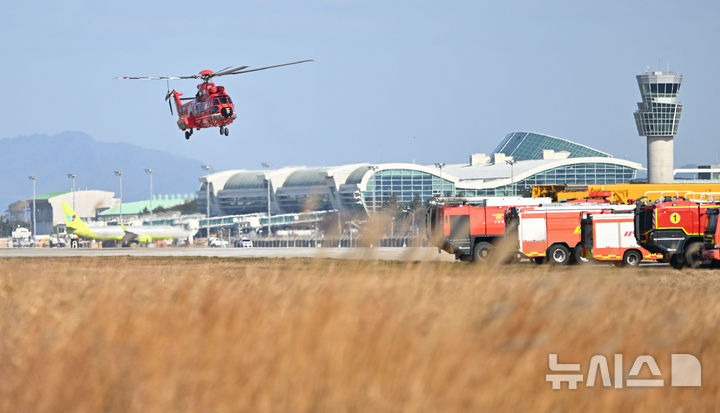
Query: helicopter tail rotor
(167,97)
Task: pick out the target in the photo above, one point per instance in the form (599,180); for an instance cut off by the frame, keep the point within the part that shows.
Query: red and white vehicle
(552,233)
(611,237)
(469,227)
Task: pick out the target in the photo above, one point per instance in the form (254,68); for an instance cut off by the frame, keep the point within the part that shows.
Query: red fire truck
(468,227)
(674,228)
(552,233)
(611,237)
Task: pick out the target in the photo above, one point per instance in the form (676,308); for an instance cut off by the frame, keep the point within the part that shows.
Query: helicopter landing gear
(224,130)
(188,133)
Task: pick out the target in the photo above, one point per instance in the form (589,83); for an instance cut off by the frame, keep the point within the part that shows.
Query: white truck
(21,237)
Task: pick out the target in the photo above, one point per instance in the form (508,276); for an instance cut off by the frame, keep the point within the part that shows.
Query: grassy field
(124,334)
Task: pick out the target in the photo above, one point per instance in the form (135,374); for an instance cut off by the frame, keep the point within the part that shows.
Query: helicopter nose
(227,111)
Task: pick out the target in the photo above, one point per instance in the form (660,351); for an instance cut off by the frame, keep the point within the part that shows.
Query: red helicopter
(211,105)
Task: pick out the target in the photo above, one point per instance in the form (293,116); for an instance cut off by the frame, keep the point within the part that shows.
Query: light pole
(511,162)
(33,178)
(73,176)
(268,165)
(375,180)
(206,168)
(440,166)
(149,172)
(119,174)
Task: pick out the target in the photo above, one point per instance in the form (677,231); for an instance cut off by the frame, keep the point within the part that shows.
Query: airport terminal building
(521,160)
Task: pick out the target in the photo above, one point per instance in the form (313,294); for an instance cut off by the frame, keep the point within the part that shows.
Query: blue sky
(456,75)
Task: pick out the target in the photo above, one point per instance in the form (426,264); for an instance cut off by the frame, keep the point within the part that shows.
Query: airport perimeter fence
(337,243)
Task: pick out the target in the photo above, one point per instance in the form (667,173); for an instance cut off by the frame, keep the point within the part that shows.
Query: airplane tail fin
(73,222)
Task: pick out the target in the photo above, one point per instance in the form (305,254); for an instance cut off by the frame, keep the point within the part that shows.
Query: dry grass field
(170,335)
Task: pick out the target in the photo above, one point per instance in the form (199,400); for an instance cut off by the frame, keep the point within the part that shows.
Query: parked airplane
(120,234)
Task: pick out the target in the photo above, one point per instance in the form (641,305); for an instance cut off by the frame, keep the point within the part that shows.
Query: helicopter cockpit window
(216,101)
(224,100)
(229,100)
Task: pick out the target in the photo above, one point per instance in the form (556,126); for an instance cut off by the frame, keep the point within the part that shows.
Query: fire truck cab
(674,228)
(711,237)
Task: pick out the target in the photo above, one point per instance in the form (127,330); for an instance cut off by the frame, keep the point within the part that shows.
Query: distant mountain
(51,158)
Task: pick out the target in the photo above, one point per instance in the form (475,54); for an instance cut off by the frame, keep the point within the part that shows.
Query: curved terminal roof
(356,176)
(306,177)
(523,146)
(245,180)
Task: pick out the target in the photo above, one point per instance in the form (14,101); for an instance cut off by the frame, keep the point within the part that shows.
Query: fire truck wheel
(677,261)
(577,255)
(558,255)
(481,251)
(693,255)
(631,258)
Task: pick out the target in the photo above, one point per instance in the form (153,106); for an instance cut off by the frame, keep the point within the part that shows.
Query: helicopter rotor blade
(156,77)
(236,72)
(228,72)
(223,69)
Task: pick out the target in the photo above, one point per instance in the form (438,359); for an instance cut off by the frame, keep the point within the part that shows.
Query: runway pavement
(400,254)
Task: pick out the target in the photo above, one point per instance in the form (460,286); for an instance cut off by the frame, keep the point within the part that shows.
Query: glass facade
(660,89)
(578,174)
(405,185)
(307,190)
(523,146)
(313,199)
(659,112)
(246,201)
(243,193)
(658,119)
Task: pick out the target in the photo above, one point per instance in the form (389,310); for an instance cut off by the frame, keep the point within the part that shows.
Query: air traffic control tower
(658,118)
